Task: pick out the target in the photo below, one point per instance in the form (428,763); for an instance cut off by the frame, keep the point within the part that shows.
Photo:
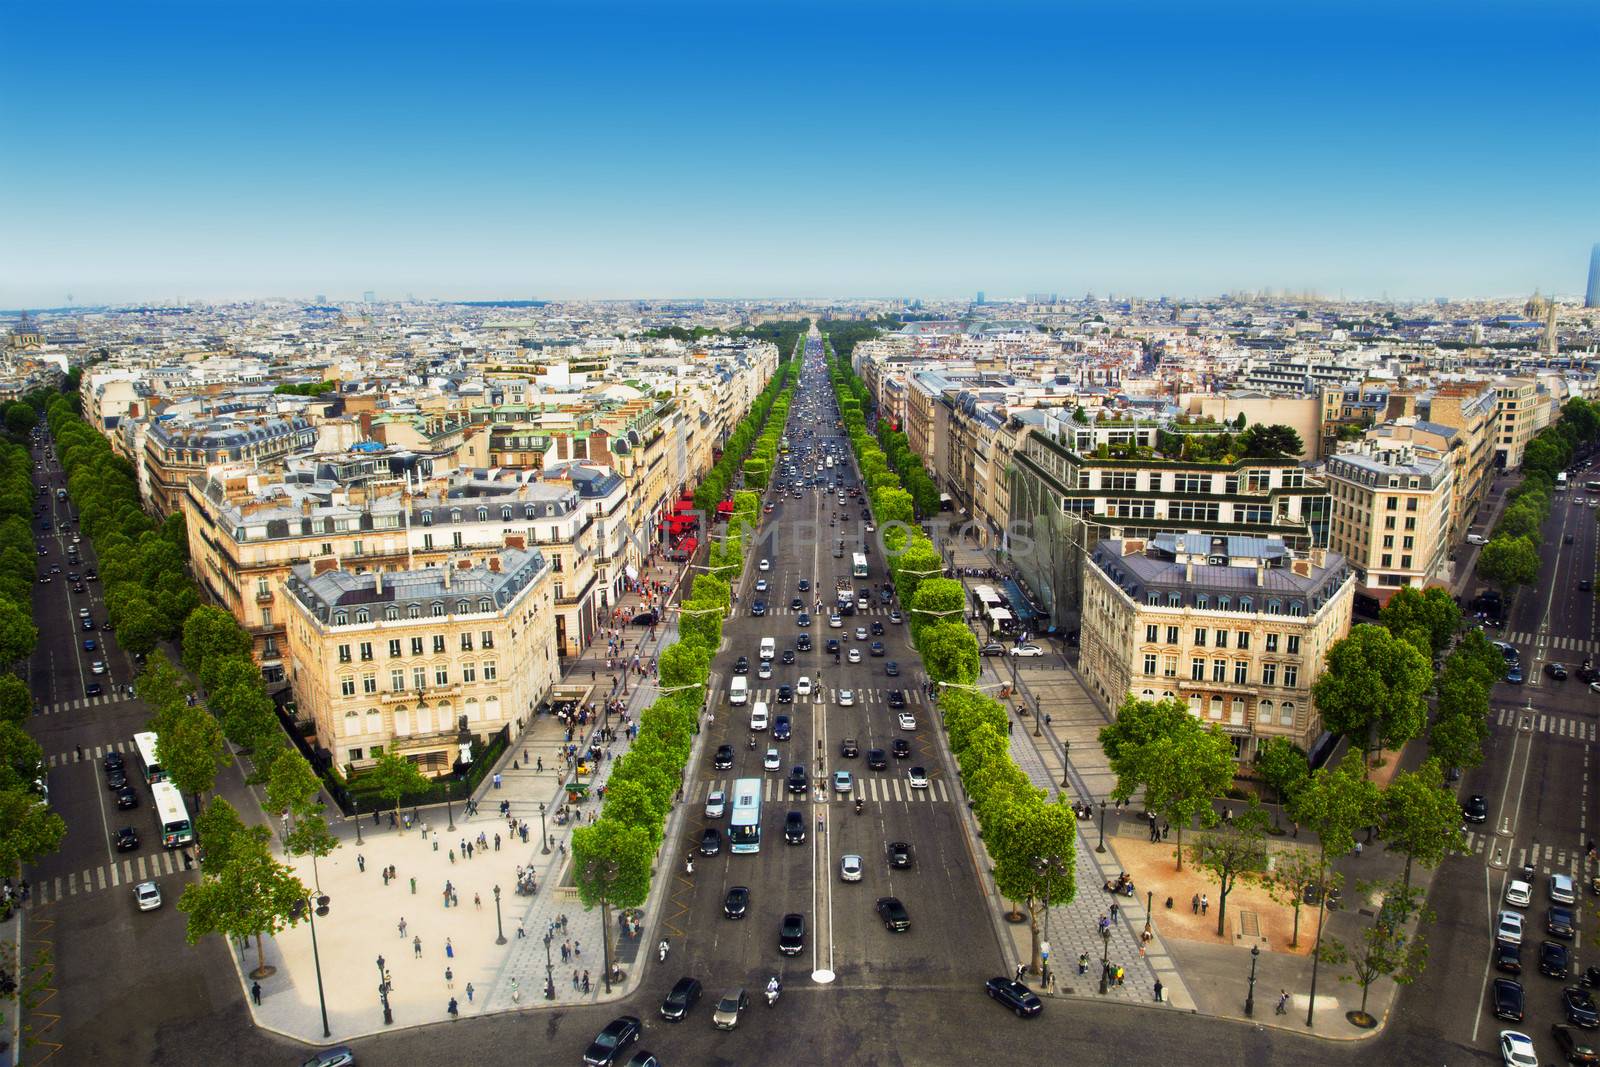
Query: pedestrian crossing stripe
(146,867)
(82,702)
(1545,723)
(92,754)
(872,788)
(860,696)
(1529,641)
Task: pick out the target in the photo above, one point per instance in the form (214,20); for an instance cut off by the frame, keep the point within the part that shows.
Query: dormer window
(414,612)
(363,616)
(438,610)
(505,513)
(455,514)
(485,604)
(341,618)
(462,607)
(427,518)
(527,511)
(483,514)
(391,614)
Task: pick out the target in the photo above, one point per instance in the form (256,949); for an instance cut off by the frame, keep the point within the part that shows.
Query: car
(723,760)
(83,613)
(900,748)
(797,780)
(892,669)
(1558,671)
(843,781)
(894,914)
(339,1056)
(758,717)
(918,778)
(1573,1046)
(86,624)
(792,934)
(97,667)
(772,760)
(116,778)
(1579,1006)
(787,657)
(1506,996)
(847,698)
(737,902)
(77,587)
(1508,927)
(895,617)
(91,576)
(741,665)
(683,995)
(861,633)
(127,839)
(992,648)
(832,647)
(1027,650)
(848,748)
(1519,894)
(761,585)
(877,628)
(835,621)
(899,853)
(147,895)
(726,1014)
(805,585)
(876,760)
(785,696)
(758,608)
(803,686)
(44,579)
(803,642)
(710,841)
(906,720)
(896,698)
(1507,957)
(875,649)
(850,867)
(608,1044)
(803,619)
(854,655)
(794,828)
(716,804)
(1514,674)
(1559,922)
(112,761)
(1584,585)
(1021,1000)
(1476,809)
(89,644)
(1561,890)
(1554,959)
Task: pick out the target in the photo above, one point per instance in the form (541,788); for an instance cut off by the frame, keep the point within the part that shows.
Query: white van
(739,689)
(758,715)
(1477,539)
(769,648)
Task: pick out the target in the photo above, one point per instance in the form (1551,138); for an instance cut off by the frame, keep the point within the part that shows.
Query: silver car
(716,804)
(850,868)
(726,1017)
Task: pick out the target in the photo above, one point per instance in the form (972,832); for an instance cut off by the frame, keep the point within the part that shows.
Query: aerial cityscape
(733,535)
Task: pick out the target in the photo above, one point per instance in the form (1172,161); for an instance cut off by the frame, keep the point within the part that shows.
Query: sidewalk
(361,936)
(11,1007)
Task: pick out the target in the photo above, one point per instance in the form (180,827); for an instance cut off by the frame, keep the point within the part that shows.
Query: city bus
(172,818)
(858,564)
(1593,487)
(145,746)
(1561,482)
(744,824)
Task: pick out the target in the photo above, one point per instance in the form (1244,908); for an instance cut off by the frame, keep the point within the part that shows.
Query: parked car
(1022,1001)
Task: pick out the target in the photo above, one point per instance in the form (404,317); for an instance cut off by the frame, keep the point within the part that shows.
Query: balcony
(428,694)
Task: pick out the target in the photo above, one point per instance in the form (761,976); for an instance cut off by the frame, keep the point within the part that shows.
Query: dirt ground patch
(1151,867)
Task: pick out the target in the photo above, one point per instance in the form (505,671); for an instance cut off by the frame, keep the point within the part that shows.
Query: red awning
(688,545)
(725,508)
(683,506)
(682,522)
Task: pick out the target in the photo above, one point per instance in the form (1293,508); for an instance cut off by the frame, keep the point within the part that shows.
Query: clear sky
(234,149)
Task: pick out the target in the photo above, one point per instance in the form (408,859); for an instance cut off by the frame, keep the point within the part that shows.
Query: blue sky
(222,151)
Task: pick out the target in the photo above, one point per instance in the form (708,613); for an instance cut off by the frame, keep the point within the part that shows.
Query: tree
(629,803)
(20,419)
(311,836)
(249,896)
(1032,844)
(1458,740)
(1233,854)
(1509,562)
(16,701)
(1420,817)
(949,652)
(292,786)
(191,749)
(611,867)
(18,634)
(1284,767)
(1290,874)
(394,777)
(1182,771)
(1385,949)
(1269,442)
(938,600)
(28,830)
(159,684)
(1372,689)
(1139,721)
(1434,610)
(211,631)
(220,829)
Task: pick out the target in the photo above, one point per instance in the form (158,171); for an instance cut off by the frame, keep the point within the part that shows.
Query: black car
(116,778)
(741,665)
(1558,671)
(832,646)
(900,747)
(1507,957)
(1507,996)
(794,828)
(899,853)
(805,585)
(785,694)
(897,698)
(723,760)
(1573,1047)
(609,1043)
(875,649)
(797,779)
(803,642)
(646,618)
(877,628)
(94,689)
(710,841)
(1558,922)
(796,605)
(1014,995)
(792,934)
(894,916)
(758,608)
(788,655)
(892,669)
(1476,809)
(737,902)
(127,798)
(127,839)
(86,624)
(1579,1006)
(683,996)
(1554,960)
(112,762)
(876,760)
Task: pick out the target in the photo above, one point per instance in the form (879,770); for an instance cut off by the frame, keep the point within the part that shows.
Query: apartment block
(1518,416)
(1391,513)
(179,450)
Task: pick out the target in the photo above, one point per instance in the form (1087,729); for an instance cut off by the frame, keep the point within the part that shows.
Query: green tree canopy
(1269,442)
(1509,562)
(611,864)
(1372,689)
(1434,611)
(1418,816)
(1181,764)
(395,776)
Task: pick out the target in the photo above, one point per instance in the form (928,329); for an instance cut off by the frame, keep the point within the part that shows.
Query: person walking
(1194,903)
(255,993)
(1283,1003)
(449,978)
(1158,991)
(449,950)
(402,923)
(416,946)
(453,1009)
(1205,903)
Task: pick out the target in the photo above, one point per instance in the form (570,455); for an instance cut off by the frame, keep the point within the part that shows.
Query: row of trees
(613,856)
(1030,839)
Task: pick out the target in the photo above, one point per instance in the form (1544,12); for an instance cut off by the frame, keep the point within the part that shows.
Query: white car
(765,670)
(918,777)
(847,698)
(1516,1050)
(854,655)
(97,667)
(1519,894)
(764,565)
(1027,650)
(716,804)
(761,585)
(907,720)
(1509,927)
(148,896)
(861,633)
(802,688)
(835,622)
(771,761)
(871,528)
(850,868)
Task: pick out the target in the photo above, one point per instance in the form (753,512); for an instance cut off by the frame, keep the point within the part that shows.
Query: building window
(1293,645)
(1243,643)
(416,646)
(341,618)
(466,641)
(485,604)
(456,540)
(369,683)
(1269,674)
(391,614)
(1216,707)
(1174,600)
(363,616)
(1152,633)
(1169,666)
(1219,670)
(1222,639)
(488,670)
(1272,642)
(1153,598)
(455,515)
(394,648)
(1286,714)
(366,650)
(414,612)
(352,727)
(347,687)
(505,513)
(438,643)
(1237,715)
(438,610)
(427,518)
(1172,635)
(1246,604)
(483,514)
(486,639)
(1264,711)
(469,672)
(1197,669)
(1291,677)
(1149,663)
(1200,637)
(262,588)
(1241,672)
(344,653)
(419,678)
(441,675)
(463,606)
(397,680)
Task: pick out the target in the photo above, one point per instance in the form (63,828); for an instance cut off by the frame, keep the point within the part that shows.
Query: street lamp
(545,837)
(358,819)
(383,998)
(1250,998)
(449,811)
(1101,847)
(501,939)
(309,907)
(1105,958)
(549,969)
(1066,754)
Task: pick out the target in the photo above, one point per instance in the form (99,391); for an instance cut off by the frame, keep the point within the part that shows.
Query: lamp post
(543,836)
(499,927)
(1250,997)
(449,811)
(549,969)
(1066,757)
(1101,847)
(1105,958)
(310,907)
(358,820)
(383,998)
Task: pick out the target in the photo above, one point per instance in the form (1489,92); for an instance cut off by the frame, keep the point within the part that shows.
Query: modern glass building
(1591,298)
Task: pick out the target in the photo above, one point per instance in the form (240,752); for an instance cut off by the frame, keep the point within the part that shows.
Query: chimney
(377,581)
(305,505)
(1133,546)
(324,564)
(1261,572)
(447,576)
(516,541)
(494,564)
(1319,557)
(1188,571)
(1302,567)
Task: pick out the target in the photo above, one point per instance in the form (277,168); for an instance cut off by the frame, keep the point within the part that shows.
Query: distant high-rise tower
(1547,343)
(980,298)
(369,297)
(1592,297)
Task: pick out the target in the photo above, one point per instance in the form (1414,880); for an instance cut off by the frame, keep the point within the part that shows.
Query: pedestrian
(586,981)
(521,932)
(449,950)
(361,863)
(1158,991)
(539,764)
(566,952)
(1165,826)
(255,993)
(1194,903)
(1083,963)
(80,756)
(1205,903)
(413,892)
(386,876)
(453,1009)
(477,901)
(1113,911)
(497,842)
(1283,1003)
(416,946)
(576,982)
(449,978)
(402,922)
(469,992)
(516,992)
(452,855)
(577,948)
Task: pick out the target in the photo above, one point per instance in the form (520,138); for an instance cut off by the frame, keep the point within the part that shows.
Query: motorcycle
(662,948)
(772,995)
(858,805)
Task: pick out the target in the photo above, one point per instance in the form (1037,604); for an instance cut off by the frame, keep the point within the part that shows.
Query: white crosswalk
(146,866)
(1527,641)
(874,787)
(90,755)
(1545,723)
(82,702)
(820,618)
(1546,859)
(831,696)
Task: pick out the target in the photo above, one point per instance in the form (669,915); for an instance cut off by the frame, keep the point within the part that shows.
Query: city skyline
(636,152)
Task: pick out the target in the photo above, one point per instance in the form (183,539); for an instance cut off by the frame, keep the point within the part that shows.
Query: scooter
(858,805)
(663,951)
(772,995)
